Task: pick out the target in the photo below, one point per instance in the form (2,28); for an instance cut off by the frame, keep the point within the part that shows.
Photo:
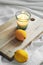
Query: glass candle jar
(22,19)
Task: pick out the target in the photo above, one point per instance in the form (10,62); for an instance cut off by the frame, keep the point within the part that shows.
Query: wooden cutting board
(8,43)
(7,24)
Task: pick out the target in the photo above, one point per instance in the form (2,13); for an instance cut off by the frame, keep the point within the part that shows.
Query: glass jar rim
(23,12)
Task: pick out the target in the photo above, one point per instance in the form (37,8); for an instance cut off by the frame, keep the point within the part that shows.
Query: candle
(22,19)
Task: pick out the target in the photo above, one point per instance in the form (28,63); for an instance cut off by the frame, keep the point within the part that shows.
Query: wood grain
(7,24)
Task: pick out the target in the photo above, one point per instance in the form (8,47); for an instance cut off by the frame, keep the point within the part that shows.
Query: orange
(20,34)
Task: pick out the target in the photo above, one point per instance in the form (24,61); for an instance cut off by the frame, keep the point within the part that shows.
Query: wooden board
(8,43)
(7,24)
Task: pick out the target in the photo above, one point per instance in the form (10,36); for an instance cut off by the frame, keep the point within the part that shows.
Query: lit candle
(22,19)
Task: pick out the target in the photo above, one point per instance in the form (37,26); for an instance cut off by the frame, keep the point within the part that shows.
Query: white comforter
(7,10)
